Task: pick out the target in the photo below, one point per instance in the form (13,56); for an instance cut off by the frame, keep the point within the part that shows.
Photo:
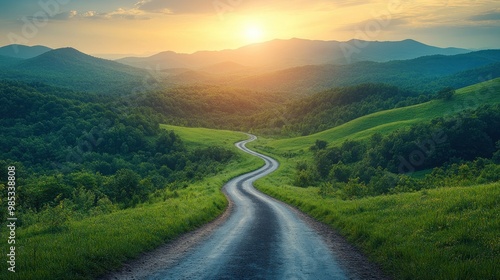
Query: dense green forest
(274,113)
(460,150)
(91,157)
(211,106)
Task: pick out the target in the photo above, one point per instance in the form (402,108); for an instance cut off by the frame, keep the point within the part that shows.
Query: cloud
(43,17)
(350,3)
(177,7)
(130,14)
(488,16)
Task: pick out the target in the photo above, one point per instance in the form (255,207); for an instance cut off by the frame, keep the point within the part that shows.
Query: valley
(379,166)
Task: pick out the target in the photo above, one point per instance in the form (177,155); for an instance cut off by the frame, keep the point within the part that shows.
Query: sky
(146,27)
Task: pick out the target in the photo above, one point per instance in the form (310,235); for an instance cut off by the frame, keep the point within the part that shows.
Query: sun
(254,33)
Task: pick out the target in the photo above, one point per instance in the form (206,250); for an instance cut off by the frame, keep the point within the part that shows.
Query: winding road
(258,237)
(261,239)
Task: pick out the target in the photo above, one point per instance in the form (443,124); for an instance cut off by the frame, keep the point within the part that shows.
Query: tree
(125,185)
(446,93)
(319,145)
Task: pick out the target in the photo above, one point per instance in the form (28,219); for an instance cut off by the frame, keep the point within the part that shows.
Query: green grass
(90,247)
(449,233)
(438,234)
(204,137)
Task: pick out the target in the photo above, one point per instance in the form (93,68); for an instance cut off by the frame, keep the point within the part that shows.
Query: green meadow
(447,233)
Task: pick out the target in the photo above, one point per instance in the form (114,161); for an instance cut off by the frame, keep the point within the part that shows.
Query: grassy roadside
(88,248)
(449,233)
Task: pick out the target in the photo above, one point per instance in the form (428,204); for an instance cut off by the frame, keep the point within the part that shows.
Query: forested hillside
(211,106)
(454,140)
(328,109)
(91,157)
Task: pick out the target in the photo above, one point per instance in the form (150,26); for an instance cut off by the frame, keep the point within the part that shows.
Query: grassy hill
(390,120)
(444,233)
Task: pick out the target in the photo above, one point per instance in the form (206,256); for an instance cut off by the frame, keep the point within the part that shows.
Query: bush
(54,218)
(304,178)
(319,145)
(355,189)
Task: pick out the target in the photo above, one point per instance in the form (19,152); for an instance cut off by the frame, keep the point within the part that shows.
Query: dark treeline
(210,106)
(91,156)
(463,149)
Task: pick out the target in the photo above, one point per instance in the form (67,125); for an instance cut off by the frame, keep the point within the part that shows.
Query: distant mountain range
(21,51)
(421,74)
(313,67)
(281,54)
(73,69)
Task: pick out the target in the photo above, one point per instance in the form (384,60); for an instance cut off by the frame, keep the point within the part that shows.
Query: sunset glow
(151,26)
(254,34)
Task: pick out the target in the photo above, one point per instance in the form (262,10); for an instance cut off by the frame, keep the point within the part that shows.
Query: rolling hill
(247,67)
(8,60)
(426,73)
(390,120)
(23,52)
(70,68)
(281,54)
